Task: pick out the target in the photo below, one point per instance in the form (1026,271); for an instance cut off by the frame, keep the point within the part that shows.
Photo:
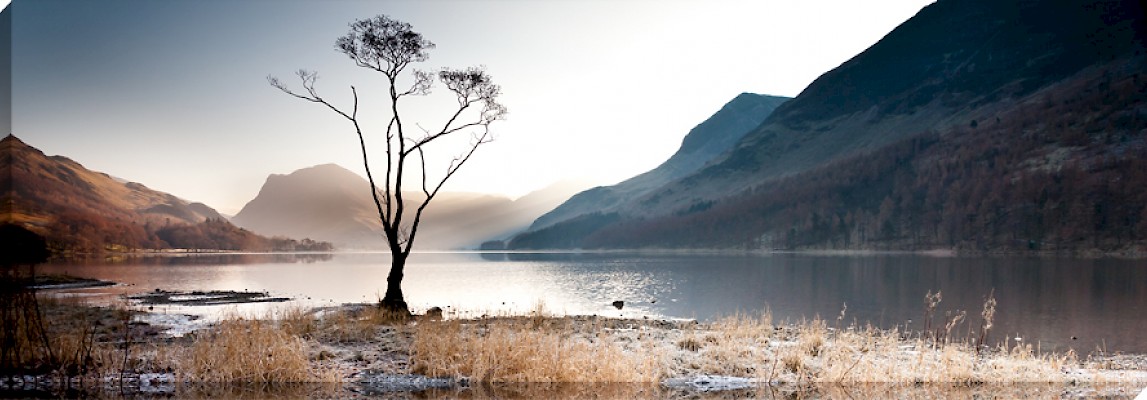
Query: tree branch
(308,79)
(455,165)
(388,47)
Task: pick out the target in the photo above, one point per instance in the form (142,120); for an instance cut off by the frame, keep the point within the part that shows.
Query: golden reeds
(515,350)
(539,347)
(245,350)
(532,350)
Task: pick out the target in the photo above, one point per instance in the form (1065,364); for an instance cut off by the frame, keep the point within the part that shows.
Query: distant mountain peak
(330,172)
(326,166)
(718,132)
(12,142)
(329,202)
(329,168)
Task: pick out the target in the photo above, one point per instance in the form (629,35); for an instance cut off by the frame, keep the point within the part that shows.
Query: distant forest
(90,233)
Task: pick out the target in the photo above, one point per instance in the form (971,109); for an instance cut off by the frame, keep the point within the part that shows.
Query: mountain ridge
(927,74)
(83,211)
(331,203)
(701,145)
(955,100)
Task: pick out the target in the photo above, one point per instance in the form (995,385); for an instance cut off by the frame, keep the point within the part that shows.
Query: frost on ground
(710,383)
(174,325)
(365,352)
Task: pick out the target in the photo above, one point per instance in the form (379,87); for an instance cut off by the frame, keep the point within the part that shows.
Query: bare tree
(388,46)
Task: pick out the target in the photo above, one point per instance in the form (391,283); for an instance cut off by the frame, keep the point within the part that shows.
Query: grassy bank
(350,344)
(572,349)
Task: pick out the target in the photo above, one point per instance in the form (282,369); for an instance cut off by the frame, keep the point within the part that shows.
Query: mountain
(702,144)
(975,125)
(81,210)
(325,202)
(331,203)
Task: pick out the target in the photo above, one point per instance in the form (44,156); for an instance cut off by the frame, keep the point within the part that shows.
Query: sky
(173,94)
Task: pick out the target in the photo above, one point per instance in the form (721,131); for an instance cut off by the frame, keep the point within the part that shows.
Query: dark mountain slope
(973,125)
(968,49)
(1044,176)
(951,59)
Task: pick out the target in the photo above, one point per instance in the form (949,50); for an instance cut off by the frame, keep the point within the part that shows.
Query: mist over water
(1098,302)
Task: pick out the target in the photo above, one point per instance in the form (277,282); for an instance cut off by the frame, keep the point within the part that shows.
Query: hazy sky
(173,94)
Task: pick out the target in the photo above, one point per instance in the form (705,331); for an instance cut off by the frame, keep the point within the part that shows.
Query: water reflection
(1057,303)
(161,259)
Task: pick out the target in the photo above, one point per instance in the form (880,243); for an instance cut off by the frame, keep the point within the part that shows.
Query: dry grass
(239,349)
(275,348)
(811,352)
(535,348)
(294,345)
(871,355)
(538,347)
(296,321)
(728,346)
(348,324)
(52,335)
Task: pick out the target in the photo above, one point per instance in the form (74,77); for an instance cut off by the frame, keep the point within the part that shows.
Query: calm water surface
(1102,303)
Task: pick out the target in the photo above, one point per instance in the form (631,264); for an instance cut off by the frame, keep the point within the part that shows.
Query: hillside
(325,202)
(331,203)
(975,125)
(702,144)
(80,210)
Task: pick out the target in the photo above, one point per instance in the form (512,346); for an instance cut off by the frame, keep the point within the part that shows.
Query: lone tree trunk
(394,300)
(388,46)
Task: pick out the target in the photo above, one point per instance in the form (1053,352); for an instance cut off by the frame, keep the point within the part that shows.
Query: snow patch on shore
(176,325)
(710,383)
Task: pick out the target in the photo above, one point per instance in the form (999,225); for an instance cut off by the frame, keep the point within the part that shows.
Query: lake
(1059,303)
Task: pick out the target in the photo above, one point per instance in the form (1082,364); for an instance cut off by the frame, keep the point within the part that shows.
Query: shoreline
(159,298)
(362,352)
(941,252)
